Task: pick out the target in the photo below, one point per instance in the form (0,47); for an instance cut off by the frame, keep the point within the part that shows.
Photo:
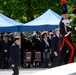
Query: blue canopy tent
(8,24)
(47,21)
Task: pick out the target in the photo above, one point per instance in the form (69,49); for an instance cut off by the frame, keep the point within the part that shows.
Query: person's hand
(34,50)
(67,51)
(13,65)
(55,53)
(5,51)
(46,50)
(26,49)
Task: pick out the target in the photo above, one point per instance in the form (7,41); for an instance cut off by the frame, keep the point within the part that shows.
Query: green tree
(26,10)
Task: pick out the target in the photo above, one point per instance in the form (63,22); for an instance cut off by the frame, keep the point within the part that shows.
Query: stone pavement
(22,71)
(69,69)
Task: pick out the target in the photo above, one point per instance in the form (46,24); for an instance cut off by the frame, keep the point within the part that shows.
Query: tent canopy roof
(49,18)
(47,21)
(8,24)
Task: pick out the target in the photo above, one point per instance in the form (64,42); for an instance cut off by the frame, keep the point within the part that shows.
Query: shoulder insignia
(54,35)
(13,44)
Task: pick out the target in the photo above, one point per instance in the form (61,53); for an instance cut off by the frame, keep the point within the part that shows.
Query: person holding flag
(65,31)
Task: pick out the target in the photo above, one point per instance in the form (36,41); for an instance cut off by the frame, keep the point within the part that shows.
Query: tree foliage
(26,10)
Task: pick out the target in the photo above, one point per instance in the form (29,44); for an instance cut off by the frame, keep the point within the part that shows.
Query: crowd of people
(55,46)
(46,43)
(31,43)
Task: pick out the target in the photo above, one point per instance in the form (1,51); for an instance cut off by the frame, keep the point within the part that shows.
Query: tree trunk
(29,13)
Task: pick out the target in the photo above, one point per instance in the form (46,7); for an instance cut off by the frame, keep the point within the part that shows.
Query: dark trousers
(71,47)
(15,70)
(5,59)
(62,56)
(55,61)
(66,58)
(22,57)
(45,59)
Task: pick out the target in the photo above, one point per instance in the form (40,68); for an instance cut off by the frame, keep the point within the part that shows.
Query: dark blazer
(29,45)
(15,54)
(35,44)
(44,46)
(5,45)
(55,41)
(23,44)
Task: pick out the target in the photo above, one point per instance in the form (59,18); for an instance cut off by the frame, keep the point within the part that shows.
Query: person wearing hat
(55,47)
(65,31)
(45,49)
(23,47)
(15,55)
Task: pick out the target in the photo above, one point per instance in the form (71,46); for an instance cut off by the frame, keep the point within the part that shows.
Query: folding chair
(37,58)
(27,58)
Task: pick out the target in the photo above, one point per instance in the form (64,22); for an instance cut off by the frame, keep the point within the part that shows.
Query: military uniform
(15,55)
(23,48)
(65,31)
(55,49)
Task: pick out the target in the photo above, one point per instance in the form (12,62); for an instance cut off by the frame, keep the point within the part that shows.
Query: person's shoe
(3,68)
(44,66)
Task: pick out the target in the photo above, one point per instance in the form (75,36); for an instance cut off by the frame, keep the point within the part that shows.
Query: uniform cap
(17,35)
(29,36)
(64,11)
(44,32)
(57,29)
(34,34)
(5,35)
(51,33)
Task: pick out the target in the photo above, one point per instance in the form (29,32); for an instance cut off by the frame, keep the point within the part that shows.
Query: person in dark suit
(29,48)
(15,56)
(55,48)
(5,51)
(45,49)
(35,46)
(50,35)
(23,47)
(0,52)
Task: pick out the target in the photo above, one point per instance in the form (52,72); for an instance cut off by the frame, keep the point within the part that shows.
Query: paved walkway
(22,71)
(69,69)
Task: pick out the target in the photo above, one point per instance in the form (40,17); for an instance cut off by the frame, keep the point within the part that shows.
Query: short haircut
(16,39)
